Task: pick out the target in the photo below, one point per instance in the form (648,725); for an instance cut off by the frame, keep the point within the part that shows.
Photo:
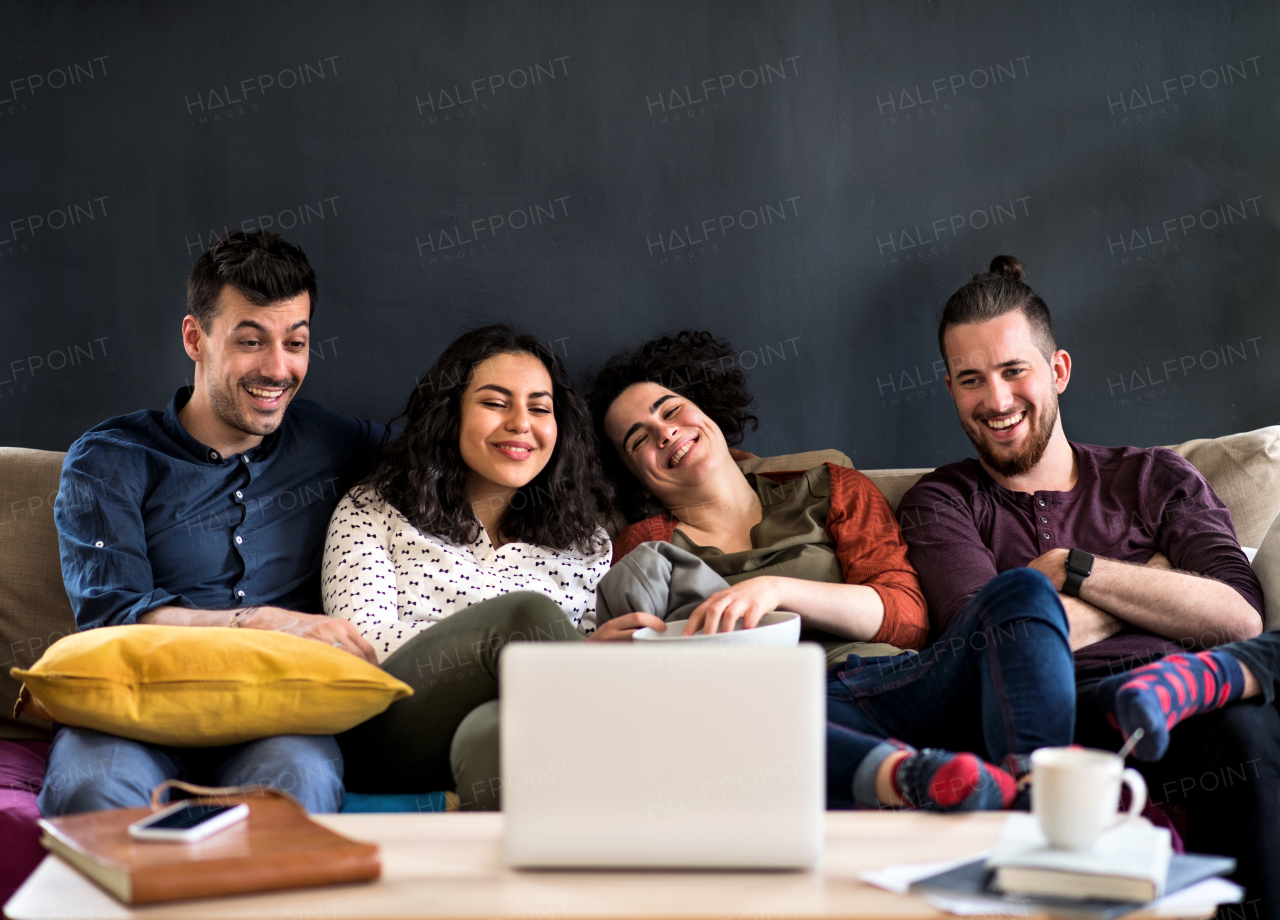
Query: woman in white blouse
(478,526)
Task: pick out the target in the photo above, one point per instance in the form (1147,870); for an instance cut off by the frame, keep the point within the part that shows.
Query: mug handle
(1137,794)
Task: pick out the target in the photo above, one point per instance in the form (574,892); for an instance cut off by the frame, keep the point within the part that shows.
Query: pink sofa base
(21,776)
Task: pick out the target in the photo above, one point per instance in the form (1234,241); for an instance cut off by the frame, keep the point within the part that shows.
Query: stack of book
(1128,866)
(1129,862)
(277,847)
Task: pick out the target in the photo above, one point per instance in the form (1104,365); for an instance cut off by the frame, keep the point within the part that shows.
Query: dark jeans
(445,736)
(1220,780)
(998,682)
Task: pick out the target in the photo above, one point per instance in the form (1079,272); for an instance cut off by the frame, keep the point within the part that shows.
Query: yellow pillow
(192,686)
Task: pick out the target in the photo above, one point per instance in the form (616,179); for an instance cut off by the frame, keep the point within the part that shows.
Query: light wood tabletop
(449,866)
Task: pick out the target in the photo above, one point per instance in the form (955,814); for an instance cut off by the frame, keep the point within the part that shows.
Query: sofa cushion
(1244,469)
(34,610)
(893,484)
(1266,565)
(204,686)
(785,463)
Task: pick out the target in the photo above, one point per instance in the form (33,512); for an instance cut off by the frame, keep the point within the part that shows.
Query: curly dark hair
(421,472)
(694,364)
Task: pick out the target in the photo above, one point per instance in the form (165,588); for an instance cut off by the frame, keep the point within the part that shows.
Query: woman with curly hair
(824,544)
(478,526)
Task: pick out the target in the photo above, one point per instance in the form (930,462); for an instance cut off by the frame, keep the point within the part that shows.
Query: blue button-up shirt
(149,517)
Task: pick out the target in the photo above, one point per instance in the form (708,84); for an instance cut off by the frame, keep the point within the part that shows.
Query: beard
(1033,448)
(227,406)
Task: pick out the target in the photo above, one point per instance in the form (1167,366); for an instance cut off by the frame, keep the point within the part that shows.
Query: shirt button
(239,594)
(1043,520)
(1040,502)
(239,494)
(99,544)
(1045,535)
(213,455)
(240,539)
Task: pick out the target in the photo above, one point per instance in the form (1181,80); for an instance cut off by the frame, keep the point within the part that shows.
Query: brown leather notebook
(277,846)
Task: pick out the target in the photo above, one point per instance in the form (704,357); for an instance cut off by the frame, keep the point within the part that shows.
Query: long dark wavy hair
(694,364)
(421,471)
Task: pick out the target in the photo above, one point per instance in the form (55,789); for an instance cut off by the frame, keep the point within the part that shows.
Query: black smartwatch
(1079,565)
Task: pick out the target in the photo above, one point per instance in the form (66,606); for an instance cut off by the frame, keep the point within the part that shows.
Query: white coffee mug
(1075,793)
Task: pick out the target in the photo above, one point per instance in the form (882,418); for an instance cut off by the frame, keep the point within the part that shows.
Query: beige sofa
(34,611)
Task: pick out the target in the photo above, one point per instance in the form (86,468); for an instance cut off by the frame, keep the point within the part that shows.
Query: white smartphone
(187,821)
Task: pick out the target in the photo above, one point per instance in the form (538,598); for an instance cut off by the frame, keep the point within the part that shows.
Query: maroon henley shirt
(962,529)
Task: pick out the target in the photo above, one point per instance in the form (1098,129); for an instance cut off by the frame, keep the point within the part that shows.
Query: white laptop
(649,756)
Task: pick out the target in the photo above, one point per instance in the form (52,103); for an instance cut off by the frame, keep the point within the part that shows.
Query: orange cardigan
(869,546)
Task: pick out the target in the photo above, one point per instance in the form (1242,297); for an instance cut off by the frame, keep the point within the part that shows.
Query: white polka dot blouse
(392,581)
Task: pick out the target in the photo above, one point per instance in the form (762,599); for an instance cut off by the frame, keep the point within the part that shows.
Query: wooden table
(449,866)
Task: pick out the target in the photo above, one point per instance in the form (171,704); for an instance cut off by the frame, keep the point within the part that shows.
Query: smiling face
(664,439)
(1006,392)
(508,424)
(251,360)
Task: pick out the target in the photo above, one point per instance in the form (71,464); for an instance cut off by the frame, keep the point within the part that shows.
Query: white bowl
(778,629)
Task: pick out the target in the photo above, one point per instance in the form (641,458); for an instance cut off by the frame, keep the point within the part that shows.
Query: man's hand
(333,631)
(1089,624)
(621,629)
(747,601)
(1053,565)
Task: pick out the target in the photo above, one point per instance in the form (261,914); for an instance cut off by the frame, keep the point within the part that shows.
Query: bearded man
(212,513)
(1145,559)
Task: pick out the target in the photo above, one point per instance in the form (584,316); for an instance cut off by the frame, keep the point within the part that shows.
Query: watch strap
(1075,574)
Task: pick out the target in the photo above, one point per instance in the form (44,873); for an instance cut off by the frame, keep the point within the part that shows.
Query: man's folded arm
(1088,624)
(1199,612)
(1198,589)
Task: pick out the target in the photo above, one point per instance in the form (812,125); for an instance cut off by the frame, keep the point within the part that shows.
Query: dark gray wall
(810,179)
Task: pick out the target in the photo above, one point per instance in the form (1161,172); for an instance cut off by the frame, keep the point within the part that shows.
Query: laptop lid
(649,756)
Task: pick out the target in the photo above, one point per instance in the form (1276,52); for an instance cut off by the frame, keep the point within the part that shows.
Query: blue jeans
(999,682)
(89,770)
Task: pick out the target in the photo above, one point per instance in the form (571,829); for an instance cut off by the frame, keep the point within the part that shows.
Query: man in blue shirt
(213,513)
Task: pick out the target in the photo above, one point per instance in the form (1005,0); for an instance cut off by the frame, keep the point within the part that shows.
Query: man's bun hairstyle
(999,290)
(1007,267)
(261,265)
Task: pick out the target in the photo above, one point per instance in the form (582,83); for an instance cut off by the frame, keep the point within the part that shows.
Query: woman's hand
(747,601)
(621,629)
